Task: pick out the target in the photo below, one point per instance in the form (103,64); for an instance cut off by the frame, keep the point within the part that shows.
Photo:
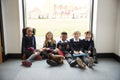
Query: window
(57,16)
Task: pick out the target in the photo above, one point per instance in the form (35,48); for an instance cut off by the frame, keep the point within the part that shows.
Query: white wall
(11,25)
(117,44)
(105,25)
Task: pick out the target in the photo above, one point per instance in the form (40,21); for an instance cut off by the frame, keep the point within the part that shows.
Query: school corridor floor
(106,69)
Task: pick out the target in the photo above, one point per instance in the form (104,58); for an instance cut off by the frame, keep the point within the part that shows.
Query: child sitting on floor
(88,45)
(63,49)
(28,42)
(48,47)
(55,60)
(77,49)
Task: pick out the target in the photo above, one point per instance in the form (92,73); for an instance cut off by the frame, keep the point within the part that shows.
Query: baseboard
(13,56)
(116,57)
(105,55)
(99,55)
(109,55)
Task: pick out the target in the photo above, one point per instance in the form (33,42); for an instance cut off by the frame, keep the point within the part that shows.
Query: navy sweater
(63,45)
(88,45)
(76,45)
(48,45)
(28,42)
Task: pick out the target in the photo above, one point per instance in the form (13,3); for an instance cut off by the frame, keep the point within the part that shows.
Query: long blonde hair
(46,39)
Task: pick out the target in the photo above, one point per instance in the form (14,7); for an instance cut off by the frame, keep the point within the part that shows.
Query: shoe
(51,62)
(73,63)
(80,63)
(23,57)
(27,63)
(95,59)
(56,58)
(90,63)
(38,57)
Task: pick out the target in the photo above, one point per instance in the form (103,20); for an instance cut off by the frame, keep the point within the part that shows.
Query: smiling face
(64,37)
(88,35)
(76,35)
(29,31)
(49,36)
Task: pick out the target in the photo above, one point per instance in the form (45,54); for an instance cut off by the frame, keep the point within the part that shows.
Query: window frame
(91,14)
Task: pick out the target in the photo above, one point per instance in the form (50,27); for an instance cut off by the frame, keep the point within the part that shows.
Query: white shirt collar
(76,40)
(63,41)
(87,39)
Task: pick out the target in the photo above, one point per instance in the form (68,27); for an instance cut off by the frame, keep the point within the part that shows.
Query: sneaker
(80,63)
(73,63)
(51,62)
(90,63)
(27,63)
(95,59)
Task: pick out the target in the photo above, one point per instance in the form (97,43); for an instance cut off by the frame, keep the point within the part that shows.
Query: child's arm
(68,46)
(34,43)
(71,45)
(23,45)
(76,52)
(44,49)
(89,52)
(81,46)
(80,52)
(54,45)
(91,46)
(59,46)
(39,50)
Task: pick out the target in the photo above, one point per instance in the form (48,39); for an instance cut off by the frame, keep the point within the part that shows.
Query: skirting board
(99,55)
